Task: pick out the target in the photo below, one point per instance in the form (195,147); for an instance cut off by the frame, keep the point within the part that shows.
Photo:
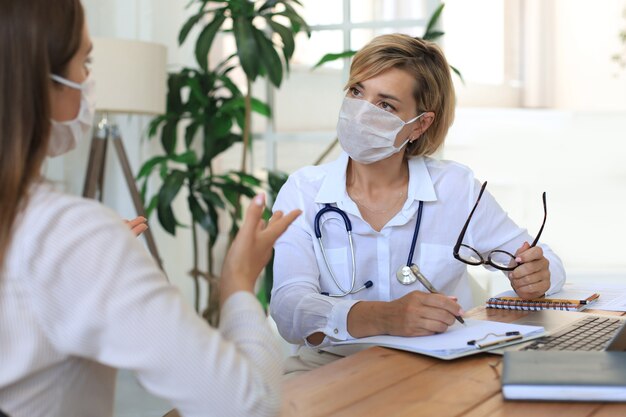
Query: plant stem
(195,271)
(247,128)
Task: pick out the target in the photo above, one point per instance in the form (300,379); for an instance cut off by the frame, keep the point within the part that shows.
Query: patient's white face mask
(64,136)
(367,133)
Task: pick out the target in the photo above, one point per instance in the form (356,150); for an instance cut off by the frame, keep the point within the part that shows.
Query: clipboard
(454,343)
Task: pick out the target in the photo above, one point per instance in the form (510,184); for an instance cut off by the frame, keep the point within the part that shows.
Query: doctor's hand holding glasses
(527,269)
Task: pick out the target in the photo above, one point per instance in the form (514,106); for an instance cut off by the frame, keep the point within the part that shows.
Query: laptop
(572,331)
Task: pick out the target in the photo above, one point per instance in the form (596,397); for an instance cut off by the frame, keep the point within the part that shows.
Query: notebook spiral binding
(528,305)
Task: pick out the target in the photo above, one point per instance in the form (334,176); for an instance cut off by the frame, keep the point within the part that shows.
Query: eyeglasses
(499,259)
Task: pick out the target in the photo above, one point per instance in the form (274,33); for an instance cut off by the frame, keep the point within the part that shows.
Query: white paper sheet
(453,343)
(612,296)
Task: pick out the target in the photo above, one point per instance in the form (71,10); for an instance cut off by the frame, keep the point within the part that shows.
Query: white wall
(586,36)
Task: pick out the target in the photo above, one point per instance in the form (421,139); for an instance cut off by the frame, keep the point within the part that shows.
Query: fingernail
(258,199)
(461,312)
(518,260)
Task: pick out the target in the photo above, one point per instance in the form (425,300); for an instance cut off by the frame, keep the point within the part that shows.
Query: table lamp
(131,78)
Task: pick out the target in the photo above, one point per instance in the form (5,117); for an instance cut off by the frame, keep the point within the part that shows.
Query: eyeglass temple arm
(462,235)
(545,216)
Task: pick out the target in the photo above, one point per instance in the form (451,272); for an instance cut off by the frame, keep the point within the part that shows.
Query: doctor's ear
(423,123)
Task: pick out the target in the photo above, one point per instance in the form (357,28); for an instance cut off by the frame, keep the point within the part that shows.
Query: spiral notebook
(567,300)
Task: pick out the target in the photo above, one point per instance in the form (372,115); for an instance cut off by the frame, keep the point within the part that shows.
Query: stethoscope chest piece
(405,275)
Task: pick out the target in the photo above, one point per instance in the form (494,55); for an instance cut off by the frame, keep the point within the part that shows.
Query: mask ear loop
(66,82)
(413,143)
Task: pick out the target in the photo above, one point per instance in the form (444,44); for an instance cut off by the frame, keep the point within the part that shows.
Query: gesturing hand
(137,225)
(252,247)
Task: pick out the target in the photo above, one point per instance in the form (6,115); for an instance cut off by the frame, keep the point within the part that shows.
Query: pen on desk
(426,283)
(498,342)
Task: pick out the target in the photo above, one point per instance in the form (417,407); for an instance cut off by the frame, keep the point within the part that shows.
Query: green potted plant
(214,114)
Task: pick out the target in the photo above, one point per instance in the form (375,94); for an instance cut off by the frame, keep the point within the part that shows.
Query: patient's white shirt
(448,190)
(80,296)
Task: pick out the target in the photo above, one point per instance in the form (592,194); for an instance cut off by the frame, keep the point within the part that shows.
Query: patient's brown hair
(37,38)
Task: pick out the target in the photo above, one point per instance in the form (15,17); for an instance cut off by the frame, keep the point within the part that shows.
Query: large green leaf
(230,85)
(197,94)
(276,180)
(269,57)
(149,165)
(199,215)
(215,146)
(297,22)
(457,72)
(259,107)
(268,5)
(189,24)
(168,136)
(214,230)
(434,18)
(432,35)
(152,205)
(286,35)
(170,188)
(175,84)
(333,57)
(230,106)
(205,40)
(153,127)
(190,133)
(248,179)
(188,158)
(246,46)
(211,198)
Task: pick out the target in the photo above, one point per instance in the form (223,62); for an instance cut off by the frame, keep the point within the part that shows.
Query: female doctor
(403,208)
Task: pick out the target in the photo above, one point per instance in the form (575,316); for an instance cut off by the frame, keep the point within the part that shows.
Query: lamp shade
(131,76)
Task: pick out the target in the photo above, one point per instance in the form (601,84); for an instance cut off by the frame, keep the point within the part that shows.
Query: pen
(426,283)
(498,342)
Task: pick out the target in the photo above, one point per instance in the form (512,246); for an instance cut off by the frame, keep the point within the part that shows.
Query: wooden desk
(391,383)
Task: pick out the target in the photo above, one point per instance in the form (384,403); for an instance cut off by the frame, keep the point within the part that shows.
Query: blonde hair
(433,89)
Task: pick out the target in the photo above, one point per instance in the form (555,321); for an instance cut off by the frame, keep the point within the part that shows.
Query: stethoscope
(405,274)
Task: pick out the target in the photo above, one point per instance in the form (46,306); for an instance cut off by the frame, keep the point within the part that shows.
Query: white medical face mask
(367,133)
(64,136)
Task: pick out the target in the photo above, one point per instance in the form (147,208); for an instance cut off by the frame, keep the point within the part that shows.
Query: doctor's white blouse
(448,190)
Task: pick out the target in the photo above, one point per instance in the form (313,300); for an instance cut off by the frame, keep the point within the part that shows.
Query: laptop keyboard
(591,333)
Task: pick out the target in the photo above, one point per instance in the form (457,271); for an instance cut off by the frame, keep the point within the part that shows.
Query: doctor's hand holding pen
(531,279)
(252,248)
(415,314)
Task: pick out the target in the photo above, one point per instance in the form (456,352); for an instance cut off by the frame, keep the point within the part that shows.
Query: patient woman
(79,296)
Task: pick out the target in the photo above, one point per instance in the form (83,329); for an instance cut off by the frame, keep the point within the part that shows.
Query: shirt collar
(333,188)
